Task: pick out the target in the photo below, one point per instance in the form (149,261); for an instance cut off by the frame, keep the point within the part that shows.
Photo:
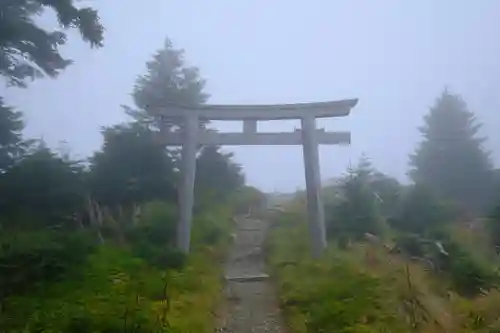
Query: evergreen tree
(168,81)
(496,184)
(388,191)
(494,227)
(419,211)
(451,160)
(217,175)
(11,142)
(357,211)
(42,188)
(29,51)
(131,168)
(365,169)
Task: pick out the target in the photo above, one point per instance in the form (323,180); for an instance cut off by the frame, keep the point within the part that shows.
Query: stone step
(248,278)
(251,229)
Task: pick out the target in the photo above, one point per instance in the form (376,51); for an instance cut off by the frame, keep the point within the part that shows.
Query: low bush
(153,238)
(328,295)
(343,300)
(212,227)
(356,210)
(135,322)
(410,245)
(28,260)
(467,275)
(246,199)
(114,291)
(420,212)
(111,288)
(68,284)
(164,257)
(493,226)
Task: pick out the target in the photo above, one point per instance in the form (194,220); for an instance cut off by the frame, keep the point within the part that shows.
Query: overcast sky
(395,56)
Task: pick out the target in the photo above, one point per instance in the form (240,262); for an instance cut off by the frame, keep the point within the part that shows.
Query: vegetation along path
(251,301)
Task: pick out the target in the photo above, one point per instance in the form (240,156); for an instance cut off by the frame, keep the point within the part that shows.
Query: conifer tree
(28,50)
(11,142)
(451,160)
(168,81)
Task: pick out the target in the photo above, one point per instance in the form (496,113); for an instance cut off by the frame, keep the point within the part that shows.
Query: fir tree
(168,81)
(357,211)
(28,50)
(451,160)
(11,142)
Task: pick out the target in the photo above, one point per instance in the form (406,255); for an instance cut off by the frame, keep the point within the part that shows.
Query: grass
(195,294)
(112,283)
(366,289)
(115,291)
(328,295)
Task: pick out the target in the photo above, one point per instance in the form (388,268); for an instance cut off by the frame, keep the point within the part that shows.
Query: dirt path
(251,305)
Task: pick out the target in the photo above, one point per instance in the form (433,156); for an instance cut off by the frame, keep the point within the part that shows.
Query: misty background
(395,56)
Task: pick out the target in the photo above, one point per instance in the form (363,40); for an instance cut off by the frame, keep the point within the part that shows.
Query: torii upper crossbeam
(309,137)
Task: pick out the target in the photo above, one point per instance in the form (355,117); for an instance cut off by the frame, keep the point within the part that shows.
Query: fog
(395,56)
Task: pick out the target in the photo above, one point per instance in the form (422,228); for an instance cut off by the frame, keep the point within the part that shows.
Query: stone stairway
(251,301)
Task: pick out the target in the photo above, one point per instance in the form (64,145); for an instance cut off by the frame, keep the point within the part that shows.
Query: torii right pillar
(315,209)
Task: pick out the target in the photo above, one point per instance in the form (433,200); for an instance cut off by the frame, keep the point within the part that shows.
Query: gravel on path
(251,305)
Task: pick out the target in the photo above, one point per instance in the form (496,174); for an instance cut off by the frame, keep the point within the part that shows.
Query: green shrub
(420,212)
(110,285)
(159,234)
(133,321)
(341,303)
(248,197)
(31,259)
(468,276)
(159,256)
(411,245)
(355,212)
(41,190)
(342,241)
(329,295)
(210,228)
(159,214)
(493,226)
(153,238)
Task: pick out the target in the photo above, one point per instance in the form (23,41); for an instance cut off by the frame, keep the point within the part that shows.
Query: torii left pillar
(315,208)
(186,188)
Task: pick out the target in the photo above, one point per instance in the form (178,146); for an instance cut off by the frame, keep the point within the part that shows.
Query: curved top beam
(340,108)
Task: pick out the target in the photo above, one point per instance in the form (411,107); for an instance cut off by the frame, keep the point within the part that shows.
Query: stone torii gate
(308,136)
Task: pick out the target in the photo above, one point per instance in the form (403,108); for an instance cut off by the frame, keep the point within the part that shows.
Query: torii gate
(308,136)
